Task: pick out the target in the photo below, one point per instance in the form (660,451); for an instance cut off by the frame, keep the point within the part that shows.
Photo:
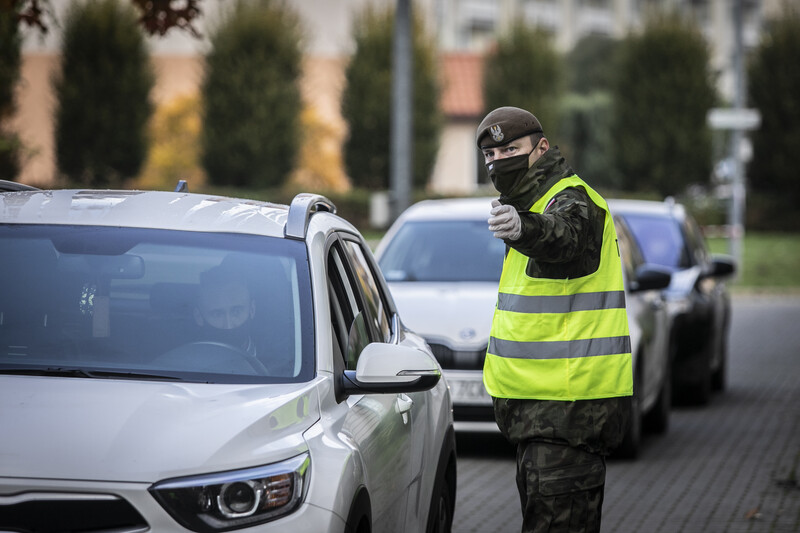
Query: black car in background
(697,297)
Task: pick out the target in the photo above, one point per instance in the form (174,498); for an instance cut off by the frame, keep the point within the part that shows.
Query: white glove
(505,222)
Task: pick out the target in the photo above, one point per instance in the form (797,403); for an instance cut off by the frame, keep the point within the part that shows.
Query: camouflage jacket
(563,242)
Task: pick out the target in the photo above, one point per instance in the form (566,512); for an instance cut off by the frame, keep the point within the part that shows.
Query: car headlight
(232,500)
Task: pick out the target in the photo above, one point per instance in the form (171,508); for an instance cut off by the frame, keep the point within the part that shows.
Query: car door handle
(404,403)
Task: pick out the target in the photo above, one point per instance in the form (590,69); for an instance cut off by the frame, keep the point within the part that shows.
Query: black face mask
(506,173)
(238,337)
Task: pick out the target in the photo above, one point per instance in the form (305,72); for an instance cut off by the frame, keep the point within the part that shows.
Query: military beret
(505,124)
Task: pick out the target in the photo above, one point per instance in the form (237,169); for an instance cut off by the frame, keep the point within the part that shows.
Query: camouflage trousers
(560,466)
(560,488)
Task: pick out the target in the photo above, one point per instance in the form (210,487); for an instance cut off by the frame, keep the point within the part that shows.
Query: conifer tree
(774,86)
(662,95)
(102,94)
(10,61)
(252,105)
(366,102)
(523,71)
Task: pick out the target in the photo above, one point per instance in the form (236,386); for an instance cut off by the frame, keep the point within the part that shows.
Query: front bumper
(123,507)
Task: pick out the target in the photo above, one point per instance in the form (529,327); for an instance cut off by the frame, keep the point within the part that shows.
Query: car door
(713,300)
(379,425)
(649,310)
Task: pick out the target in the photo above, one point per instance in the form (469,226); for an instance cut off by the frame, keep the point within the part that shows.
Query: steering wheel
(213,356)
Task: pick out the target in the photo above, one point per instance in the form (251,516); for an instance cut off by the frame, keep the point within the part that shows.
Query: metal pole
(402,113)
(737,200)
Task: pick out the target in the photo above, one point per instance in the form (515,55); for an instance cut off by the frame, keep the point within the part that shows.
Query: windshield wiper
(81,373)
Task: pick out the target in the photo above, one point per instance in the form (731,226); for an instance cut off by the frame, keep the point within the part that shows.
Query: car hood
(73,428)
(459,313)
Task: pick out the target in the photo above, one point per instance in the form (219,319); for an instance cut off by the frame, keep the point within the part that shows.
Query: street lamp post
(402,111)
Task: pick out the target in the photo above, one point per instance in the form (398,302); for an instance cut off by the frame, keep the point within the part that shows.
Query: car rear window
(452,250)
(141,303)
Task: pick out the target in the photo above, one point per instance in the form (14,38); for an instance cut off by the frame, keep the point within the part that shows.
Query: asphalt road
(731,466)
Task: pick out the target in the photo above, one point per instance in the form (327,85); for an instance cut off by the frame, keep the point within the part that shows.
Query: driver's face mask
(238,336)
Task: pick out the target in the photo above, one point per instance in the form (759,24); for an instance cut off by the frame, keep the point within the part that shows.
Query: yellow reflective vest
(561,339)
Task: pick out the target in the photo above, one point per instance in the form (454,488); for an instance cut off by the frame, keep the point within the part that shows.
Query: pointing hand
(505,222)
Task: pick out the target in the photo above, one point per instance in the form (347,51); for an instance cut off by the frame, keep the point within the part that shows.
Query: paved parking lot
(729,467)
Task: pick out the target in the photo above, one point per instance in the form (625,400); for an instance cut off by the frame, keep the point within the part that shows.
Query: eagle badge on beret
(497,133)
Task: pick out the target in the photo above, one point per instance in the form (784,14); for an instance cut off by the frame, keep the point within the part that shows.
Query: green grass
(770,261)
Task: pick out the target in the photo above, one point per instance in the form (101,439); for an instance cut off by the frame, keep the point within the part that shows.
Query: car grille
(47,513)
(458,359)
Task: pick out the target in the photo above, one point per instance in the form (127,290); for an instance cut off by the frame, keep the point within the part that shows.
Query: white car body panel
(141,432)
(459,313)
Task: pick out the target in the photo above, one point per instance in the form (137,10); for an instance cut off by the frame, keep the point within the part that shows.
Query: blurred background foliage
(366,101)
(629,114)
(774,89)
(250,95)
(174,153)
(10,60)
(662,92)
(319,166)
(102,92)
(523,70)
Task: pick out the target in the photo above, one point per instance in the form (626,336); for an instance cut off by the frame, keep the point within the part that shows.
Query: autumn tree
(174,152)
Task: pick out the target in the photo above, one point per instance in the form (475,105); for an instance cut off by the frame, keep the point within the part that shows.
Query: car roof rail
(11,186)
(303,206)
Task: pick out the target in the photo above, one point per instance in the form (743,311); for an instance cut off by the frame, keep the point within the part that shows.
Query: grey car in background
(443,267)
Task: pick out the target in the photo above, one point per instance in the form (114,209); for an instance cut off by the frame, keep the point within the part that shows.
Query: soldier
(558,366)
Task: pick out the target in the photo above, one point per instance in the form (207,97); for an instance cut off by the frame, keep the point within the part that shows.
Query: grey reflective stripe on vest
(587,301)
(560,349)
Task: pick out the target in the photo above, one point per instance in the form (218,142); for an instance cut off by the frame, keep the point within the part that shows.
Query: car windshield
(134,303)
(453,250)
(660,240)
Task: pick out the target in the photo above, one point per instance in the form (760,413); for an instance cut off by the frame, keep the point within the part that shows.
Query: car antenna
(182,186)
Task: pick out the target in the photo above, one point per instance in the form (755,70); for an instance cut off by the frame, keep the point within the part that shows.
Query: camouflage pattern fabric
(564,241)
(560,488)
(595,426)
(560,464)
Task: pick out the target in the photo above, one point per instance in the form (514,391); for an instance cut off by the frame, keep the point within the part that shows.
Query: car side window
(375,312)
(347,311)
(696,242)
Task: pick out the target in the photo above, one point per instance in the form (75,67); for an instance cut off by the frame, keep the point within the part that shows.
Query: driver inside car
(225,310)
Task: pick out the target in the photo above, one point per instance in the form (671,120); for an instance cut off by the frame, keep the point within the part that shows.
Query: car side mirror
(390,368)
(721,265)
(650,278)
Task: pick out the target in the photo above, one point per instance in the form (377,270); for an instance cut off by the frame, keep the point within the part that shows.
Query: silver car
(173,361)
(443,266)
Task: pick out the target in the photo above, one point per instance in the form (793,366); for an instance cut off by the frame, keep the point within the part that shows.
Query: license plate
(468,389)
